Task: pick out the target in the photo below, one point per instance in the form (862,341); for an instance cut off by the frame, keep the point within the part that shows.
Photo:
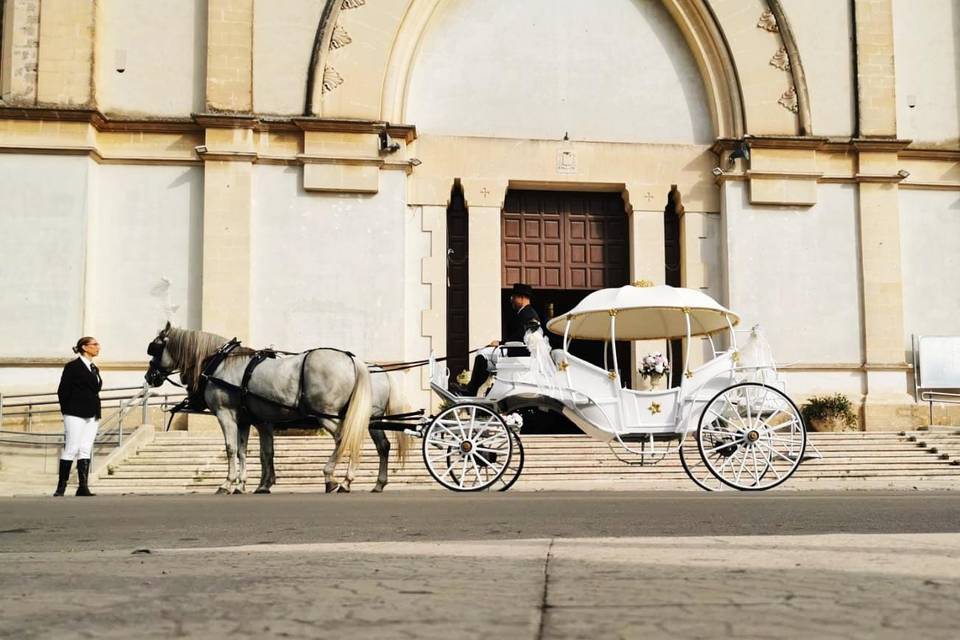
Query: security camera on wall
(388,144)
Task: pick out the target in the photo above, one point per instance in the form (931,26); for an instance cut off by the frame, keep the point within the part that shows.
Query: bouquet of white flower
(654,366)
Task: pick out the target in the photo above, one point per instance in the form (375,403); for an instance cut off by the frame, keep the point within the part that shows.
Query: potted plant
(653,367)
(829,413)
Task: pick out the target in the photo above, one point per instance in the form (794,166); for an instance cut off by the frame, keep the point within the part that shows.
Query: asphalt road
(124,522)
(531,565)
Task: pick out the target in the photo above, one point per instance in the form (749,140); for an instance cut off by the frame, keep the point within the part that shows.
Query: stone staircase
(941,441)
(178,462)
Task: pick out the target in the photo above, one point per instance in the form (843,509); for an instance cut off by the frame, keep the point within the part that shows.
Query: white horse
(328,386)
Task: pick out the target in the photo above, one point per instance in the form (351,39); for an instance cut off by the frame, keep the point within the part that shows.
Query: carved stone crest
(789,100)
(340,38)
(331,79)
(352,4)
(768,22)
(781,60)
(566,162)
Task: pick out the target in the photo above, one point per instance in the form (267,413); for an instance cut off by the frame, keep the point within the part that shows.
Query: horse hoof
(331,487)
(262,490)
(222,492)
(377,489)
(343,489)
(238,492)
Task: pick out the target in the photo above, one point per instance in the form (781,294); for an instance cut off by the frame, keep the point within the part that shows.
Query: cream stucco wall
(795,270)
(43,244)
(328,269)
(824,33)
(540,68)
(929,231)
(160,46)
(145,261)
(927,55)
(283,32)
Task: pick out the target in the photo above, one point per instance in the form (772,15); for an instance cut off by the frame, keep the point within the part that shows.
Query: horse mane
(189,349)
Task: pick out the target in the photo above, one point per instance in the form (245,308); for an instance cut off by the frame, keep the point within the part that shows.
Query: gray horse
(337,388)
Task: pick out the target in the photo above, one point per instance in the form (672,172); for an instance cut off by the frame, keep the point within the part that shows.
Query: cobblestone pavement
(840,583)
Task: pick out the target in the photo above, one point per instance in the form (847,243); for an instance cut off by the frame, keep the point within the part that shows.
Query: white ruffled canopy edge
(644,313)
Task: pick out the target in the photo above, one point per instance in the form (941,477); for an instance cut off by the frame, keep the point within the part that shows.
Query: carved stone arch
(796,66)
(694,18)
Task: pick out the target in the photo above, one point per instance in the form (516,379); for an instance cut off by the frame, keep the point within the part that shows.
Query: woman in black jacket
(79,395)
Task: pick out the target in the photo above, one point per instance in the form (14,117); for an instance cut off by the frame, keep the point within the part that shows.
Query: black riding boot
(479,375)
(65,466)
(83,475)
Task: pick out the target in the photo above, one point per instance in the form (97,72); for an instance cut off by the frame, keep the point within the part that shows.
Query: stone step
(545,478)
(604,467)
(176,462)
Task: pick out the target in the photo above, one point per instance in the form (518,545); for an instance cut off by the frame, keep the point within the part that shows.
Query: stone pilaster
(227,206)
(21,42)
(484,204)
(65,67)
(647,259)
(876,77)
(883,332)
(230,55)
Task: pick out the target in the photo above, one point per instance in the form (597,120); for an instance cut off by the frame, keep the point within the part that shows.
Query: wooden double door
(568,241)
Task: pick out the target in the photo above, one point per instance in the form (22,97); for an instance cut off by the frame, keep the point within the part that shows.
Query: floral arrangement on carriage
(653,367)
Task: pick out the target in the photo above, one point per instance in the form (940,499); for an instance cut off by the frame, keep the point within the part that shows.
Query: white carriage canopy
(644,313)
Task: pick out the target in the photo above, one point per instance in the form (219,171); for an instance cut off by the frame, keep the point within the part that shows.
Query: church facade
(372,174)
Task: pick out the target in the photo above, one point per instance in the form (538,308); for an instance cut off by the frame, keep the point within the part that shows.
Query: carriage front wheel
(751,436)
(467,447)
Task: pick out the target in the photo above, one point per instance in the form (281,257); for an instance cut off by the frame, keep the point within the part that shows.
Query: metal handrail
(124,404)
(54,393)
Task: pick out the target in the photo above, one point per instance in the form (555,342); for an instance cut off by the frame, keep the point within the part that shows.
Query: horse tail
(397,404)
(357,419)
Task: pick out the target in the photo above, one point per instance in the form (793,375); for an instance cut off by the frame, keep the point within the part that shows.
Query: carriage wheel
(751,437)
(697,471)
(512,473)
(467,447)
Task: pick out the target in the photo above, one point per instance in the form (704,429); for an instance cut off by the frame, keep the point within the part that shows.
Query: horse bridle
(156,375)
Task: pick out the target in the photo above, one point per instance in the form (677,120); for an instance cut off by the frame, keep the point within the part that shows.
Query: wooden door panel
(564,240)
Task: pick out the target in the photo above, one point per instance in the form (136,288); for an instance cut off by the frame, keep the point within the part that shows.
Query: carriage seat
(584,376)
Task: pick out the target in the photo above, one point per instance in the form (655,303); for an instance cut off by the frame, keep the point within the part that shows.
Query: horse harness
(195,401)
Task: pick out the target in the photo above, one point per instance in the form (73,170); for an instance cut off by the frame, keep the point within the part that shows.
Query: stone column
(647,257)
(484,204)
(227,204)
(230,55)
(876,78)
(880,258)
(20,41)
(65,67)
(883,332)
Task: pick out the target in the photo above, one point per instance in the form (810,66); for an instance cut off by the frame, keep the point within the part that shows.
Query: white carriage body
(735,401)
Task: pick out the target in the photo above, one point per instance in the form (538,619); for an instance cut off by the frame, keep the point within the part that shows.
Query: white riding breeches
(78,436)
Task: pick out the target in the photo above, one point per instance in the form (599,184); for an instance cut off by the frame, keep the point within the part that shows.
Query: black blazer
(79,391)
(520,322)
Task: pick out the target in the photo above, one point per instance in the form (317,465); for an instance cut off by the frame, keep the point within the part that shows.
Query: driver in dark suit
(524,321)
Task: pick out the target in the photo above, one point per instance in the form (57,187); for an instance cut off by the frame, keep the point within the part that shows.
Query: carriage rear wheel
(751,437)
(467,447)
(698,471)
(512,473)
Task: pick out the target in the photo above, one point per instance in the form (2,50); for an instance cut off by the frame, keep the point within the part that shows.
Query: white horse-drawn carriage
(748,434)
